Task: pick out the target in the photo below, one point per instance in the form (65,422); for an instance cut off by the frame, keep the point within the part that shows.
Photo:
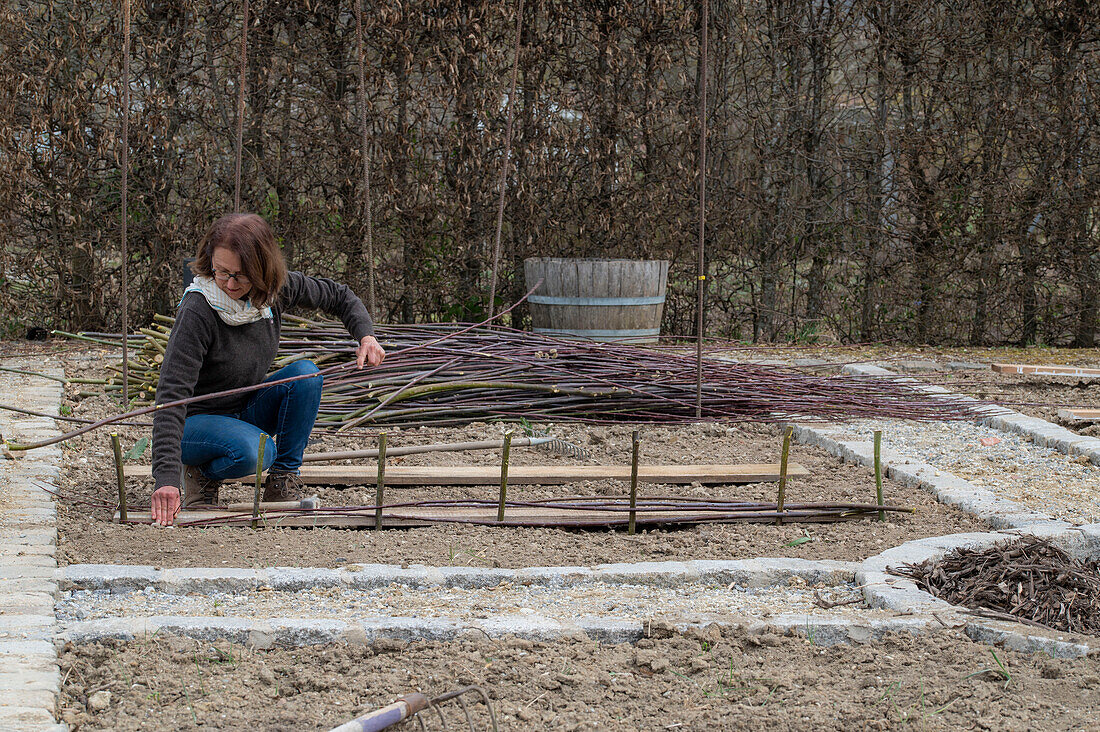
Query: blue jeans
(226,446)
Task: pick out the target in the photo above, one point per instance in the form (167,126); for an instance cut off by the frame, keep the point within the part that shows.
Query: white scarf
(232,312)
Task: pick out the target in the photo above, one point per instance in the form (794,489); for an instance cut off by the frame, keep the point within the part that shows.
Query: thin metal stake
(121,479)
(259,482)
(878,472)
(125,165)
(702,264)
(381,481)
(630,526)
(504,474)
(242,83)
(783,473)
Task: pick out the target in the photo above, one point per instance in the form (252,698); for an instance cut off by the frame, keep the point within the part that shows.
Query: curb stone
(998,633)
(29,675)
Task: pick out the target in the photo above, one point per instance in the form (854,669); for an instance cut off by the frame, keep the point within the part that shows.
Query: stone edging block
(29,678)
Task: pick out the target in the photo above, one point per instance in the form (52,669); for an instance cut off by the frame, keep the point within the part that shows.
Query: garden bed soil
(87,534)
(704,679)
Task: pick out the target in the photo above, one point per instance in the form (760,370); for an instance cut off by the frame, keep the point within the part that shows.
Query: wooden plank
(1079,415)
(1041,370)
(416,475)
(405,517)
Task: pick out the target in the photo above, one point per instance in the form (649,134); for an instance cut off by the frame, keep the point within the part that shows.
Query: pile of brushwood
(1027,579)
(448,374)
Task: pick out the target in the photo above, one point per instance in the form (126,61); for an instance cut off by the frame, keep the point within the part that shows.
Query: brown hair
(250,238)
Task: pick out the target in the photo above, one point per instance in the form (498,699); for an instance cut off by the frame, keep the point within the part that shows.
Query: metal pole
(241,81)
(125,200)
(504,168)
(702,275)
(365,154)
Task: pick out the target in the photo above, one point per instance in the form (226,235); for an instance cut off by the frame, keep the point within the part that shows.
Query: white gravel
(1014,468)
(627,602)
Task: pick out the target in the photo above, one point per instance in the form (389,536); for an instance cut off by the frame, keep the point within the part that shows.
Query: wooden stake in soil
(504,474)
(630,527)
(259,482)
(381,483)
(878,472)
(117,446)
(783,473)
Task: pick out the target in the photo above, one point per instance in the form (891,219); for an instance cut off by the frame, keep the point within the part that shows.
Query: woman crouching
(225,336)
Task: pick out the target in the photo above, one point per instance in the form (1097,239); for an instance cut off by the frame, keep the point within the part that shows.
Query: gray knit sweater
(205,355)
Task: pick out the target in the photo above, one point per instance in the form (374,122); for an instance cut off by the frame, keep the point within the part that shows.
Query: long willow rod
(125,202)
(62,418)
(611,504)
(702,275)
(504,164)
(321,457)
(619,513)
(247,389)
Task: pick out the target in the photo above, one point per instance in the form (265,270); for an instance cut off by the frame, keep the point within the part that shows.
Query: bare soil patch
(88,536)
(705,679)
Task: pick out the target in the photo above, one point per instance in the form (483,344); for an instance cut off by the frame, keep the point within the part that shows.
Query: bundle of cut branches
(450,374)
(1028,579)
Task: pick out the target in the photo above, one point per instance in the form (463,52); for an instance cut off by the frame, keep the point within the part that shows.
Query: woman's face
(227,273)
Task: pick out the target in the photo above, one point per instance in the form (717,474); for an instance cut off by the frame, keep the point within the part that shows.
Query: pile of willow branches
(1029,579)
(448,374)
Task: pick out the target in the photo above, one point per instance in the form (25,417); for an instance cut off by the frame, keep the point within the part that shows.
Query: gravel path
(1009,465)
(620,602)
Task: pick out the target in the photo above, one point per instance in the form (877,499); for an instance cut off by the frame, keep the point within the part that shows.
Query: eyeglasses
(221,276)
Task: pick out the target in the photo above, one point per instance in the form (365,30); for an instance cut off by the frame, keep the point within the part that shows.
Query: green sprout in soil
(1000,670)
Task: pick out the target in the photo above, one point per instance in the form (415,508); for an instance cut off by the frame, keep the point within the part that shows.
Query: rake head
(560,446)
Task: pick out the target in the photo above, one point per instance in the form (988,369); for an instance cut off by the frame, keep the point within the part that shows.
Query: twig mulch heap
(450,374)
(1028,579)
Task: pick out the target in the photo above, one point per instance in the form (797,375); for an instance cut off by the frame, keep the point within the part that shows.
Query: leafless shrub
(918,170)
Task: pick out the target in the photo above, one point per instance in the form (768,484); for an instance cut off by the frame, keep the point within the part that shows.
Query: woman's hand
(166,504)
(369,351)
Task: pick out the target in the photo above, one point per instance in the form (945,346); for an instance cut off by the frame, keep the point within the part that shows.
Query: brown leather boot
(279,486)
(198,490)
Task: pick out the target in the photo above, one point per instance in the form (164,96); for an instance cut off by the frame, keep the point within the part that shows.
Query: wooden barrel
(618,300)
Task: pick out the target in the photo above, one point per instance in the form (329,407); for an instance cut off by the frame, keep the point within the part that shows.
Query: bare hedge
(878,169)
